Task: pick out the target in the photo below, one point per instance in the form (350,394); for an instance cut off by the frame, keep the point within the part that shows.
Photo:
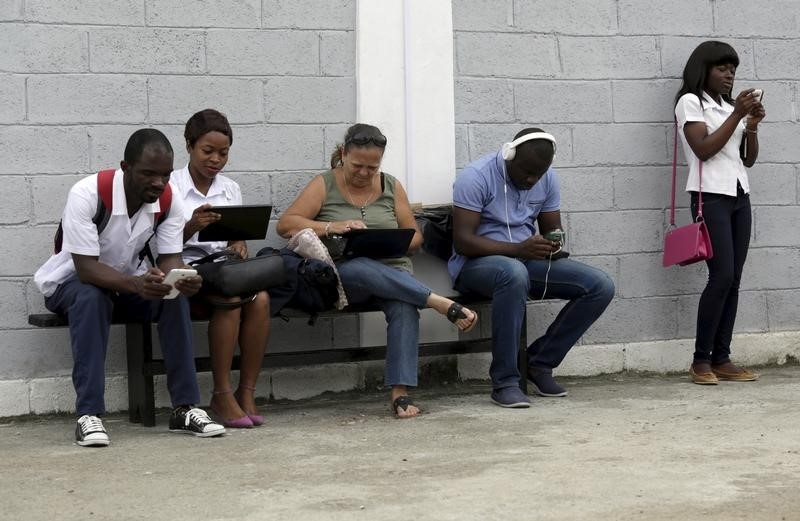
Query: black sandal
(402,402)
(456,312)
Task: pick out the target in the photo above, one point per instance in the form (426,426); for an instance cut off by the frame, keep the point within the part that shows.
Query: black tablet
(238,223)
(378,243)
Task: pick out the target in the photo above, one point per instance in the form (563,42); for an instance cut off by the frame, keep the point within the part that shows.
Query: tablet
(238,223)
(377,243)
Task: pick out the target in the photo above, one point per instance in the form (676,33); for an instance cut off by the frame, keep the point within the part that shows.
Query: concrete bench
(143,367)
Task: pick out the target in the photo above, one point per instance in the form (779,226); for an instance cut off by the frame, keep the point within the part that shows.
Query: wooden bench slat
(54,320)
(47,320)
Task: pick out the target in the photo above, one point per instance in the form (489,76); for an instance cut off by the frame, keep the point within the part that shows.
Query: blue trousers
(400,296)
(89,310)
(509,282)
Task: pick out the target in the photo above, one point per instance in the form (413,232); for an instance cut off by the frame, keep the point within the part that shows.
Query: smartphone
(173,276)
(758,94)
(555,236)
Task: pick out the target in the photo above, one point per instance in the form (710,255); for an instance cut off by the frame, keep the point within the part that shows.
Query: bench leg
(141,393)
(522,361)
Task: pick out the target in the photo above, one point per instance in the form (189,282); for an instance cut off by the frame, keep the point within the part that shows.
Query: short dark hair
(357,129)
(708,54)
(205,121)
(141,139)
(542,148)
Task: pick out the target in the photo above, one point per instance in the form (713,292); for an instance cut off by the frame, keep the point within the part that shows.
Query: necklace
(363,207)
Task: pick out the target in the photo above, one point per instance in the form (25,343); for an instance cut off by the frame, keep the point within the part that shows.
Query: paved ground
(619,447)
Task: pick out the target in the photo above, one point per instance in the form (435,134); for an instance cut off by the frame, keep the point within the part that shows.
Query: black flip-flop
(456,312)
(402,402)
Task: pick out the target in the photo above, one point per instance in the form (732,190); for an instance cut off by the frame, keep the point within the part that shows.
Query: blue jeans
(89,310)
(400,296)
(728,220)
(509,282)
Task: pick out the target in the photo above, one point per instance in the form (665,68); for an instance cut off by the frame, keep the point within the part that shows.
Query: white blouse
(725,168)
(224,191)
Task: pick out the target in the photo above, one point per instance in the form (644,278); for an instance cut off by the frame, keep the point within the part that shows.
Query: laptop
(238,223)
(377,243)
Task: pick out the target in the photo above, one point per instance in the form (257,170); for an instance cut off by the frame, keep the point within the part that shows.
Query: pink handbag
(691,243)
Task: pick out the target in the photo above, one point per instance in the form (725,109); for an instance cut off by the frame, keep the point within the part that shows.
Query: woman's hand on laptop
(342,227)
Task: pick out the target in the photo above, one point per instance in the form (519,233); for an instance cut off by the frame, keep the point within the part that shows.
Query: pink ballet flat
(234,423)
(256,419)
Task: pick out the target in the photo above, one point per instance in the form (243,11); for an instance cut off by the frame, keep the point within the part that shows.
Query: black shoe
(90,432)
(510,397)
(544,384)
(193,420)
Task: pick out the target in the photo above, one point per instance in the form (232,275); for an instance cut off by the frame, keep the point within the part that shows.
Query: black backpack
(310,286)
(436,225)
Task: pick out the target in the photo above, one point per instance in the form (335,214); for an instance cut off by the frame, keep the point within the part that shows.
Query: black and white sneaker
(90,432)
(193,420)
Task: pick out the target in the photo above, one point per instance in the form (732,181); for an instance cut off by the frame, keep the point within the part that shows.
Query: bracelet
(327,229)
(751,131)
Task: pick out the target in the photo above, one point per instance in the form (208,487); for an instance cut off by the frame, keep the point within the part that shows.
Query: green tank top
(379,213)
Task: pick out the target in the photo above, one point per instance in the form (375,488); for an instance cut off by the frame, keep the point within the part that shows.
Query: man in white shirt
(99,272)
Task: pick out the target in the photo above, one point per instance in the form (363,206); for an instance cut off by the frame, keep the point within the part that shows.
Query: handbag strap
(674,178)
(213,257)
(225,304)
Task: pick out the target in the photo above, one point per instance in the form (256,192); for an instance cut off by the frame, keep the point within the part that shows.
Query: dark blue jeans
(89,309)
(509,282)
(728,220)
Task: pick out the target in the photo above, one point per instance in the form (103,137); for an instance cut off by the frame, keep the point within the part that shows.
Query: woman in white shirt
(722,133)
(201,185)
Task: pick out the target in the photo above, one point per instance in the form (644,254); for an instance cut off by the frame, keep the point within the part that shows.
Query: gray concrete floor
(619,447)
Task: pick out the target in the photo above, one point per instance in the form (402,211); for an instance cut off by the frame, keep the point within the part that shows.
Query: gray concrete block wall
(77,78)
(601,76)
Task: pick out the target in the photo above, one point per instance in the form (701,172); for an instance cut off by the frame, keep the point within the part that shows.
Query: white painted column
(404,79)
(380,77)
(404,85)
(430,109)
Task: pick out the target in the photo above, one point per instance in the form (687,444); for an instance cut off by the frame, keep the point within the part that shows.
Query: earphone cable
(505,197)
(547,273)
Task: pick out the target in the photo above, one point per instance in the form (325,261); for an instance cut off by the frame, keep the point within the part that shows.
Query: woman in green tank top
(354,195)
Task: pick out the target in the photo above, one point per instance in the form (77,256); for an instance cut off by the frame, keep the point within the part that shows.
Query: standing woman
(722,133)
(355,194)
(201,185)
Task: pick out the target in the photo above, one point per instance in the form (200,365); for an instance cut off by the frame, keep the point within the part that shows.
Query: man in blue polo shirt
(498,200)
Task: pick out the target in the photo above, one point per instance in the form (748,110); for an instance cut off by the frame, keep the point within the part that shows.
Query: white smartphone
(173,276)
(758,94)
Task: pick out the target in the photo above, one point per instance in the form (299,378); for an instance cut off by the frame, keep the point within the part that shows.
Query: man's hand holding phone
(537,247)
(182,280)
(155,285)
(558,237)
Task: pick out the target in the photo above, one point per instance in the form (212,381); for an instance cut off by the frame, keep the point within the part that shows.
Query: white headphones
(509,149)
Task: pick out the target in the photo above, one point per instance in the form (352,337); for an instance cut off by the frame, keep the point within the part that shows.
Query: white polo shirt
(120,242)
(224,191)
(725,168)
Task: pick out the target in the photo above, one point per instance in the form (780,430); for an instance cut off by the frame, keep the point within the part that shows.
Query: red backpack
(105,199)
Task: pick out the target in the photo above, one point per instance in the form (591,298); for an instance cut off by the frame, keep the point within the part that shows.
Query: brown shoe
(703,378)
(743,375)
